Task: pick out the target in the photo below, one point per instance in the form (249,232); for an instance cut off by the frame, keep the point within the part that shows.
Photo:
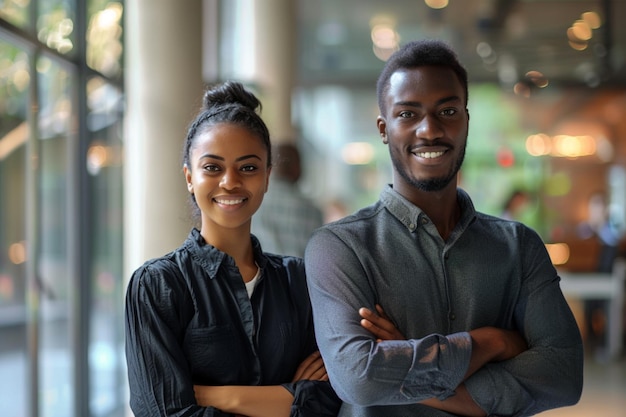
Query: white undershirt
(252,283)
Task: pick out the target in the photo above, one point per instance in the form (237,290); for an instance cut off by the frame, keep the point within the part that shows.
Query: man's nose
(429,128)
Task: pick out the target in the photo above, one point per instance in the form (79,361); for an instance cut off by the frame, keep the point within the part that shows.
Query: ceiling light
(436,4)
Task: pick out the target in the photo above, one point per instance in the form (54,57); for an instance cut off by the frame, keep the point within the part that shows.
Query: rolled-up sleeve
(313,399)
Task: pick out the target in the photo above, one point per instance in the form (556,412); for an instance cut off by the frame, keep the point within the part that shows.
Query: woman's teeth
(229,202)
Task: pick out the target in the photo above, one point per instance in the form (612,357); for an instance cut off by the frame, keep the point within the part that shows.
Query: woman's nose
(231,179)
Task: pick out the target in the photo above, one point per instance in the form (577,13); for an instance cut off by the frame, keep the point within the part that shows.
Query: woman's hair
(417,54)
(228,103)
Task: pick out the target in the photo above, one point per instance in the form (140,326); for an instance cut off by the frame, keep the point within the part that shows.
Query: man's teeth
(229,202)
(429,155)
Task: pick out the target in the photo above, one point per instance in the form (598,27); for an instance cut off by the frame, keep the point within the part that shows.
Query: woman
(217,327)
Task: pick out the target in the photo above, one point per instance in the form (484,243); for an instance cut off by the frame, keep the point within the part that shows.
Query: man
(487,329)
(287,218)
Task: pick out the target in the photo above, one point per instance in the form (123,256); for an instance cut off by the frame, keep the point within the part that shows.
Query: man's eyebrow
(408,103)
(419,104)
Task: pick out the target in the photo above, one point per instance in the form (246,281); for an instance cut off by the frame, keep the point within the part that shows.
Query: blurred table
(602,286)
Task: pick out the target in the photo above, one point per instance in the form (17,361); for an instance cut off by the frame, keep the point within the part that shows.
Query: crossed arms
(260,401)
(489,344)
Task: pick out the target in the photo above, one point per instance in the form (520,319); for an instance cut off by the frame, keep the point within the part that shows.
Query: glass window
(54,273)
(14,88)
(104,166)
(55,25)
(15,11)
(104,37)
(61,312)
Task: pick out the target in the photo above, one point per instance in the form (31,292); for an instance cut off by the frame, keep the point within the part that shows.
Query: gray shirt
(490,272)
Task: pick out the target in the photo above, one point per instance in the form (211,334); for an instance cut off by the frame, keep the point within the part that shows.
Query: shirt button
(424,220)
(452,316)
(412,227)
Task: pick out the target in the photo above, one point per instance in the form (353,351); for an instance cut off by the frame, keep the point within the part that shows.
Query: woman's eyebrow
(221,158)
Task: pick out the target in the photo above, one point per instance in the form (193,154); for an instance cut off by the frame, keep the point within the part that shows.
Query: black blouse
(189,321)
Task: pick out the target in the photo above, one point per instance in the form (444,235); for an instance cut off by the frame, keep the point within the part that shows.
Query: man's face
(425,125)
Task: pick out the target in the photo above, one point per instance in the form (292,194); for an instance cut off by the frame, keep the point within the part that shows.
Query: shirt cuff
(313,399)
(441,361)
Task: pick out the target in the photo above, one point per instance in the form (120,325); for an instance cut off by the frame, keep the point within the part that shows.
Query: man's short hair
(417,54)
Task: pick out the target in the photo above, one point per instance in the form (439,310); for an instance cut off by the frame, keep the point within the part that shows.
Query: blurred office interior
(96,95)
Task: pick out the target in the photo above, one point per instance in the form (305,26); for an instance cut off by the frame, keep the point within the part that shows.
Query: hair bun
(230,93)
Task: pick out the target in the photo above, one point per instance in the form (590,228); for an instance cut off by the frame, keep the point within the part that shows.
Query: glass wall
(14,133)
(61,328)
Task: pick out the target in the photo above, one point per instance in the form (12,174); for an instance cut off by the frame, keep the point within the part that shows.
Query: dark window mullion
(82,227)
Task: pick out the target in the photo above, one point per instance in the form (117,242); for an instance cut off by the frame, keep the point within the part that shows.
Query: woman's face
(228,174)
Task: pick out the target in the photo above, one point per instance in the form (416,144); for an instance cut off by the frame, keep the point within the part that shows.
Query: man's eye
(406,114)
(449,112)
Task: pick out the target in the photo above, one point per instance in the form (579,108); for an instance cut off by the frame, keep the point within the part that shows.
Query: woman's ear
(382,128)
(267,179)
(187,173)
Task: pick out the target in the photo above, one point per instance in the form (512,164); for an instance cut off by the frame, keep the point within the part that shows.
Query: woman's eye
(211,168)
(248,168)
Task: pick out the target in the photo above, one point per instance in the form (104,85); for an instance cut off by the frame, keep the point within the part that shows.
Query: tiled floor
(604,392)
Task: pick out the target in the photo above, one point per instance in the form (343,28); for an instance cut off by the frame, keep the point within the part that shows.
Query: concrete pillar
(275,47)
(164,86)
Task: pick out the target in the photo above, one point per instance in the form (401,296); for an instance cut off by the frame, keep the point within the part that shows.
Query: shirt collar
(411,215)
(211,258)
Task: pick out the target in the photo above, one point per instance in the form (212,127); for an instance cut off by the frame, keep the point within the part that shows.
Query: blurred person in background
(422,305)
(218,327)
(287,218)
(335,209)
(601,226)
(513,207)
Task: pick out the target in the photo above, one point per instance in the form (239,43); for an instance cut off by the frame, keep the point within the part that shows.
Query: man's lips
(429,154)
(429,151)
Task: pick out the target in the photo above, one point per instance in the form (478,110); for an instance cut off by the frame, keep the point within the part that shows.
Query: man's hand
(513,343)
(311,368)
(500,344)
(380,325)
(490,344)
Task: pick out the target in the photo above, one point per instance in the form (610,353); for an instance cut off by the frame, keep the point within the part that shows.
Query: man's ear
(187,173)
(382,128)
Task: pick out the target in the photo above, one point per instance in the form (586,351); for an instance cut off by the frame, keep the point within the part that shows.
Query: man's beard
(431,184)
